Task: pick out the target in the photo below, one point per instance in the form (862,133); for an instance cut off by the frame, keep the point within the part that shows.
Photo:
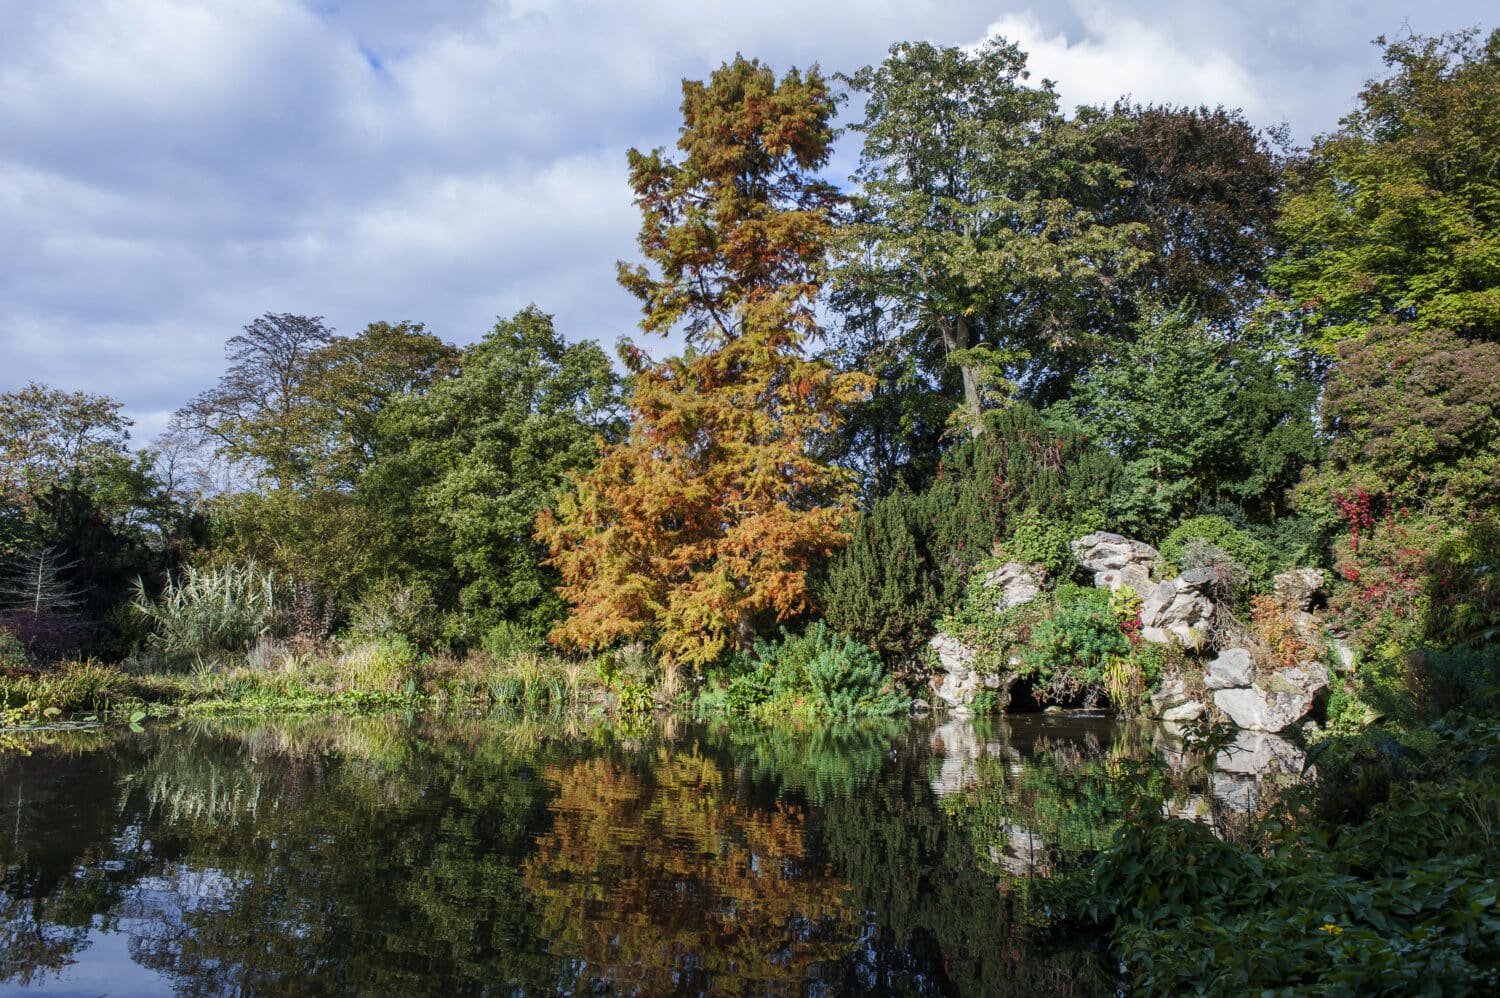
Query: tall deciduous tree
(466,466)
(352,380)
(1414,419)
(974,219)
(298,409)
(1205,187)
(709,514)
(69,482)
(258,412)
(1395,217)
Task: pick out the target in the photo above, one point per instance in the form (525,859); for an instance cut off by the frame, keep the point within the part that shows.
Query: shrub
(1273,627)
(1252,555)
(819,672)
(209,611)
(746,692)
(882,586)
(46,635)
(506,640)
(1069,648)
(383,665)
(1462,676)
(394,607)
(636,698)
(847,680)
(1399,903)
(12,651)
(1036,539)
(1408,583)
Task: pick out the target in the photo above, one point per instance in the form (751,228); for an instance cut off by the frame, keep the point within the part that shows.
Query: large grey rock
(1306,625)
(1343,654)
(1018,584)
(1232,669)
(958,683)
(1137,577)
(1299,588)
(1171,693)
(1116,561)
(1276,701)
(1190,710)
(1180,609)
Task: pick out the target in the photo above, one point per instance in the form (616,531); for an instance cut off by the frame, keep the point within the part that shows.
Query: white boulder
(1233,668)
(1276,701)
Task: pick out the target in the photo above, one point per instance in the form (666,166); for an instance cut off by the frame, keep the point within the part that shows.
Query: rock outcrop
(1298,589)
(1172,692)
(1180,609)
(1188,710)
(1234,668)
(959,683)
(1018,584)
(1275,701)
(1116,561)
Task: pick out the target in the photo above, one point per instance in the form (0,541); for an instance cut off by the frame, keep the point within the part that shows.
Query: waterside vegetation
(1262,377)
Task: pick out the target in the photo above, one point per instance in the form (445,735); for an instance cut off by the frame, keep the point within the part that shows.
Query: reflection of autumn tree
(661,880)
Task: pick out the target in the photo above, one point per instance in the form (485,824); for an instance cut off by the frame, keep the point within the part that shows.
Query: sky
(172,169)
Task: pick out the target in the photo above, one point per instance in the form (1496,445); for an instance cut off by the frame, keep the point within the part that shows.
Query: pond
(387,856)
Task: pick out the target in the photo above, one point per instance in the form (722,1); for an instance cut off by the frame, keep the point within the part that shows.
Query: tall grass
(208,612)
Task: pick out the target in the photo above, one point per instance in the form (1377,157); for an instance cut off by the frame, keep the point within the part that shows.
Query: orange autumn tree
(710,512)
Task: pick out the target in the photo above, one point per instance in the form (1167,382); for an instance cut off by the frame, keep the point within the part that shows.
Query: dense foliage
(1395,217)
(711,512)
(1151,320)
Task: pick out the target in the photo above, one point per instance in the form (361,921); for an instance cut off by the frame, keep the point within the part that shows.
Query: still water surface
(389,857)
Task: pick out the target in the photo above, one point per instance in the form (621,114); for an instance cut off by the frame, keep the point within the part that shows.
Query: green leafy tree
(1204,188)
(1194,419)
(258,415)
(972,220)
(896,437)
(1395,217)
(296,414)
(1414,418)
(70,484)
(465,466)
(353,379)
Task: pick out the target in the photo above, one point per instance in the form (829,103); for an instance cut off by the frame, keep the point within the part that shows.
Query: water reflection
(375,856)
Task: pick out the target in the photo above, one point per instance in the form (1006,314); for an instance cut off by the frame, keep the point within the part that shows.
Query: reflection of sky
(152,910)
(104,968)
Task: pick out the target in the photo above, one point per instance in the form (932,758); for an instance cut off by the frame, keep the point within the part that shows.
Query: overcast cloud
(172,169)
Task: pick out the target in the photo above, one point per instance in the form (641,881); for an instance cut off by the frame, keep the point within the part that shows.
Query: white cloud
(1117,55)
(173,168)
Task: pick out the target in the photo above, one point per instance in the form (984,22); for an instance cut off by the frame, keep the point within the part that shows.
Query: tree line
(1017,325)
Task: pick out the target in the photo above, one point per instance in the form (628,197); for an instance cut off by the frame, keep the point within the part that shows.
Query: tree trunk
(956,337)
